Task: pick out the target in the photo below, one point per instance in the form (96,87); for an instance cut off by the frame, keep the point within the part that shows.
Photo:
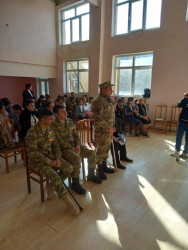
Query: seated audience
(7,104)
(91,99)
(86,107)
(142,114)
(44,156)
(17,109)
(79,111)
(119,114)
(40,103)
(50,106)
(28,117)
(61,100)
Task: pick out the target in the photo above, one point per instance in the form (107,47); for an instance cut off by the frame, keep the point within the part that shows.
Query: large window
(43,86)
(74,24)
(133,73)
(77,76)
(133,15)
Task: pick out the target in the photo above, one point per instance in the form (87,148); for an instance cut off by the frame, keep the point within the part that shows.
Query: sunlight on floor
(172,145)
(173,222)
(167,245)
(108,228)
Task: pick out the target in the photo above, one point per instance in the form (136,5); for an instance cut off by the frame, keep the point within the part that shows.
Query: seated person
(50,106)
(142,113)
(44,156)
(71,149)
(40,103)
(62,101)
(28,117)
(91,99)
(86,107)
(130,117)
(79,112)
(17,109)
(119,114)
(7,104)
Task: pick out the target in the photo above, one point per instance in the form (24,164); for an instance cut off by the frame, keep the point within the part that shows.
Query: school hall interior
(62,46)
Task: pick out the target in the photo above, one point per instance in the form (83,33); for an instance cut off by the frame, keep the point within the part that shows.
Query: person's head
(106,88)
(28,86)
(50,105)
(141,101)
(116,99)
(60,100)
(17,109)
(72,94)
(5,101)
(30,105)
(46,117)
(41,98)
(48,98)
(120,103)
(135,101)
(84,99)
(91,99)
(60,112)
(80,102)
(2,108)
(130,100)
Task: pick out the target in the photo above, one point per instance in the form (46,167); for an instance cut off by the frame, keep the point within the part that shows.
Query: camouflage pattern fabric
(104,118)
(42,148)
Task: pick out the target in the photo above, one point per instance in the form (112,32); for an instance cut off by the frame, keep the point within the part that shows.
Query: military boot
(77,187)
(106,169)
(74,210)
(50,191)
(101,173)
(92,177)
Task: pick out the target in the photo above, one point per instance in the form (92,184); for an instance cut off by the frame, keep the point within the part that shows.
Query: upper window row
(129,16)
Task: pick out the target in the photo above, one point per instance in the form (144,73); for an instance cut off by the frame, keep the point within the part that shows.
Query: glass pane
(85,27)
(124,80)
(121,1)
(153,14)
(75,30)
(72,81)
(72,65)
(84,64)
(137,15)
(125,61)
(43,92)
(66,32)
(83,76)
(82,9)
(122,19)
(142,80)
(144,60)
(68,14)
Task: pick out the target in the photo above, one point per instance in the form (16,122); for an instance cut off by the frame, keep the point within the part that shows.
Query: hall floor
(144,207)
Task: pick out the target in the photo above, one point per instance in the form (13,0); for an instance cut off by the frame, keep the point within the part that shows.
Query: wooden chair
(173,122)
(160,116)
(18,149)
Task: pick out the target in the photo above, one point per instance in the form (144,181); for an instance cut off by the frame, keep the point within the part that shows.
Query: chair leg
(7,165)
(42,188)
(15,157)
(28,181)
(83,169)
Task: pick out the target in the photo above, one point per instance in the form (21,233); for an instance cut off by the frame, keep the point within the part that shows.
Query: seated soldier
(71,149)
(142,113)
(44,156)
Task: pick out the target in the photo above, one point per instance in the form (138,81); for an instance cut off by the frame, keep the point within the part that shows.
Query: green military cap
(105,85)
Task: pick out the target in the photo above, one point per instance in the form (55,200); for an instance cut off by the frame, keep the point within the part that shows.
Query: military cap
(105,85)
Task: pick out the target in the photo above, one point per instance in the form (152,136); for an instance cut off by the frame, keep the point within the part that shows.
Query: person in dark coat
(27,94)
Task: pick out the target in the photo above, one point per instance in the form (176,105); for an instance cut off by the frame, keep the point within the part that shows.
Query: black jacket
(184,113)
(26,95)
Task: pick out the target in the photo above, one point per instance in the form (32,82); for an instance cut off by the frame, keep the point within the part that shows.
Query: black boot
(123,154)
(77,187)
(118,163)
(101,173)
(106,169)
(92,177)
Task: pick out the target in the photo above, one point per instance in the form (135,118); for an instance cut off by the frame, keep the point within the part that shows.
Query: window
(74,24)
(43,86)
(133,73)
(132,15)
(77,76)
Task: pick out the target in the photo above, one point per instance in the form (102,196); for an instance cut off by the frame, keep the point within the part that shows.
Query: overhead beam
(93,2)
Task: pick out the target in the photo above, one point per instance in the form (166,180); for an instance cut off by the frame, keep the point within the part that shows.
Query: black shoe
(77,187)
(101,173)
(126,159)
(138,135)
(94,178)
(145,135)
(121,166)
(106,169)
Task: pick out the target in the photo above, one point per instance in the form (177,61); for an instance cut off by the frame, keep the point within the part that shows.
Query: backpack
(146,93)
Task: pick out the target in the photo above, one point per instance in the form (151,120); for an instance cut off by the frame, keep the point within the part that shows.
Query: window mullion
(133,77)
(129,17)
(144,14)
(80,28)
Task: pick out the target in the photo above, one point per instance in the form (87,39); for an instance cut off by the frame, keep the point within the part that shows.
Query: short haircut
(28,85)
(57,108)
(47,96)
(28,101)
(1,105)
(120,100)
(48,104)
(17,107)
(42,96)
(5,101)
(44,113)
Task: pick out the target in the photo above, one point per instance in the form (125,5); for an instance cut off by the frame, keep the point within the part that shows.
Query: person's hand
(115,139)
(58,163)
(119,134)
(77,149)
(112,130)
(134,110)
(53,163)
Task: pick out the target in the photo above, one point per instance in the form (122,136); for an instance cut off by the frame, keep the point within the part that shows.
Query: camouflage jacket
(66,134)
(103,113)
(41,146)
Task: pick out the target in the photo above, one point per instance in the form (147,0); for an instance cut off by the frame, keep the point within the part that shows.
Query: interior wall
(12,87)
(28,41)
(170,47)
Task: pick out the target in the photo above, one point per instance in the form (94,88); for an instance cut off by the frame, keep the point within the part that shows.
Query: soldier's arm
(97,110)
(56,149)
(75,135)
(32,150)
(183,103)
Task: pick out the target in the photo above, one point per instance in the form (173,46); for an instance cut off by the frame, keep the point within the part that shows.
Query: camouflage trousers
(103,146)
(55,178)
(75,160)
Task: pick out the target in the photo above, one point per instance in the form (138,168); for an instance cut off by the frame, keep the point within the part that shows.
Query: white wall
(28,44)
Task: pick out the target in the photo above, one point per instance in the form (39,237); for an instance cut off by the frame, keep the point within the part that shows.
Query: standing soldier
(44,156)
(103,115)
(71,149)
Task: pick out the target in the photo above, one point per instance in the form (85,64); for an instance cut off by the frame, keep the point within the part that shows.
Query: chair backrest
(161,112)
(10,123)
(83,128)
(175,113)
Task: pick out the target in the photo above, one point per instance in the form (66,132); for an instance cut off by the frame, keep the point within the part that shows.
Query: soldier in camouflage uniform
(71,149)
(104,118)
(44,156)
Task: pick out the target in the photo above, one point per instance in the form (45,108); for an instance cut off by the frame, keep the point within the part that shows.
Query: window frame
(77,70)
(61,21)
(133,68)
(130,2)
